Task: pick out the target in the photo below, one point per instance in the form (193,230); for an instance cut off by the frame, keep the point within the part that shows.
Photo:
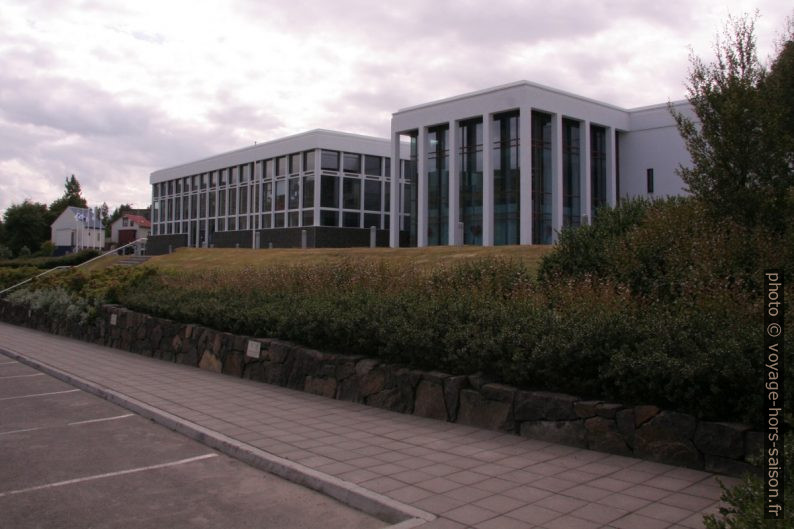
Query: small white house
(129,228)
(77,229)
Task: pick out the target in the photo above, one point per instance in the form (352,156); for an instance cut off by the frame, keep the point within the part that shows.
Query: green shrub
(58,304)
(589,338)
(12,276)
(743,505)
(72,259)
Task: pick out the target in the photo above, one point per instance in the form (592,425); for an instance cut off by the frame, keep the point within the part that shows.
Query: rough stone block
(644,413)
(372,382)
(667,438)
(452,388)
(498,392)
(430,400)
(608,410)
(233,364)
(625,421)
(325,387)
(394,399)
(544,406)
(721,439)
(730,467)
(478,380)
(585,408)
(603,435)
(366,365)
(571,433)
(210,362)
(476,410)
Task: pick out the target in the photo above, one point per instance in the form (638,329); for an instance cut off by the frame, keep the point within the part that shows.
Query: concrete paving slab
(313,440)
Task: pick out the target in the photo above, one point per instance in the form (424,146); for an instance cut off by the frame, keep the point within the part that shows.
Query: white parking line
(77,423)
(108,475)
(20,431)
(40,394)
(8,363)
(23,376)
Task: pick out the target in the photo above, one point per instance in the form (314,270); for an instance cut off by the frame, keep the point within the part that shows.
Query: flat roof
(524,82)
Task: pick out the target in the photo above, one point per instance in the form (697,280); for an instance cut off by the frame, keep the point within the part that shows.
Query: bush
(595,339)
(12,276)
(743,505)
(51,262)
(58,304)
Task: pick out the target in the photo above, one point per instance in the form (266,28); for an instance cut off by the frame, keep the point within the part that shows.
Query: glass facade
(274,193)
(541,178)
(438,186)
(470,141)
(571,169)
(598,168)
(506,179)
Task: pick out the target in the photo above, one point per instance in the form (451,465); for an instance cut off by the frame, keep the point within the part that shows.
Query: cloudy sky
(112,90)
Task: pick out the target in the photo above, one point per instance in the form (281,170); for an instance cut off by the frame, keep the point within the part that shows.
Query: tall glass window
(352,163)
(372,165)
(410,201)
(330,160)
(470,141)
(329,192)
(281,195)
(598,168)
(308,192)
(244,199)
(294,193)
(308,161)
(268,199)
(372,195)
(571,168)
(438,185)
(268,169)
(541,178)
(294,163)
(351,193)
(506,179)
(233,201)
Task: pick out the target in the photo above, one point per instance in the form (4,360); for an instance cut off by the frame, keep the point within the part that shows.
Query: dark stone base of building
(646,432)
(316,237)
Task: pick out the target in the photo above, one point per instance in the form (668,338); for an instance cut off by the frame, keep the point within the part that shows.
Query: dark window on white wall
(649,176)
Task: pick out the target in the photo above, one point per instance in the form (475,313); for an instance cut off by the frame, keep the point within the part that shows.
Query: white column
(421,165)
(317,162)
(556,176)
(611,167)
(487,180)
(454,184)
(394,197)
(525,184)
(585,169)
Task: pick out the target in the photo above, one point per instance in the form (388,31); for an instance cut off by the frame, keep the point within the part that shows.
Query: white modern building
(513,164)
(320,181)
(77,229)
(516,163)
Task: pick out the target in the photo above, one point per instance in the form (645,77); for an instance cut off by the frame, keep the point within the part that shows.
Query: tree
(72,196)
(741,157)
(26,226)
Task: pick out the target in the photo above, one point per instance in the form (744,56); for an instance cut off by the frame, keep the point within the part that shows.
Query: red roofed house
(129,228)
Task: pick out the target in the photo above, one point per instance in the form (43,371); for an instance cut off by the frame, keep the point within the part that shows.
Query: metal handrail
(28,280)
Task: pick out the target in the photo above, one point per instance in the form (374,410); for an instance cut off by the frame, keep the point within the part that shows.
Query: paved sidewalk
(466,476)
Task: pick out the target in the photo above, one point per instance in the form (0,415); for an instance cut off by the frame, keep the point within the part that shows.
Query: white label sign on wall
(254,348)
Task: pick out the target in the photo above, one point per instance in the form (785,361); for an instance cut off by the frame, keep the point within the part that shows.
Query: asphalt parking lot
(72,460)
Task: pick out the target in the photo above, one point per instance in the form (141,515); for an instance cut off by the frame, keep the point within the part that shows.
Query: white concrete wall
(653,142)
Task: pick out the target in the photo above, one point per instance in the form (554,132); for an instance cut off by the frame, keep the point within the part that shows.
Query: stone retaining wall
(640,431)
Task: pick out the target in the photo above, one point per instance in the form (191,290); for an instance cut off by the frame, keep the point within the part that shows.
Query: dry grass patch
(232,258)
